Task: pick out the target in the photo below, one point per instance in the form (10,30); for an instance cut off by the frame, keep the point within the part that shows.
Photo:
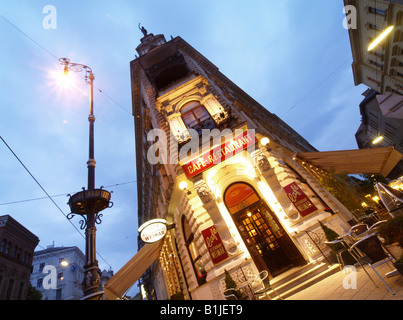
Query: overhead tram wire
(38,44)
(55,57)
(61,194)
(317,86)
(47,194)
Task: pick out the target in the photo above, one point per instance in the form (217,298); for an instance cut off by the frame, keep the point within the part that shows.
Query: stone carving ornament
(204,194)
(263,163)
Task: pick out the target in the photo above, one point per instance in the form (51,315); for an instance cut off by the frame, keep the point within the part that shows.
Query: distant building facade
(375,123)
(240,200)
(58,273)
(17,245)
(381,68)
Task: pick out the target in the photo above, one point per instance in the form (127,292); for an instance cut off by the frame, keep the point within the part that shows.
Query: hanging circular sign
(153,230)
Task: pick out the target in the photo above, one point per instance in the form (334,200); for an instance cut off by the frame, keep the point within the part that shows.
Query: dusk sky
(291,56)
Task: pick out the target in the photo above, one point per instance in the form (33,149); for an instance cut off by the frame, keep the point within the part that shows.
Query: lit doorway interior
(268,243)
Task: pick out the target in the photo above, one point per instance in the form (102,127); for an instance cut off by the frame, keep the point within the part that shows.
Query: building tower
(222,170)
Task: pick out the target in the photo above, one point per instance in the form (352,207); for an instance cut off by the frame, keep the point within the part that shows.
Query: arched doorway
(268,243)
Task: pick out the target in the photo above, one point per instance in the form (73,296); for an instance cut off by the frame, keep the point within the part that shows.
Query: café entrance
(268,243)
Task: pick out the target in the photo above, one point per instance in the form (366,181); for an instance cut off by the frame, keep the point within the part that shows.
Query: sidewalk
(331,288)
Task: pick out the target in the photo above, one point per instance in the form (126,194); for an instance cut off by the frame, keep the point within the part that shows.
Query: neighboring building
(382,68)
(374,124)
(241,204)
(58,273)
(17,245)
(104,277)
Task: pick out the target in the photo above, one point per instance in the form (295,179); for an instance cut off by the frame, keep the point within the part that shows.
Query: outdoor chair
(235,294)
(373,254)
(375,226)
(358,229)
(261,285)
(229,294)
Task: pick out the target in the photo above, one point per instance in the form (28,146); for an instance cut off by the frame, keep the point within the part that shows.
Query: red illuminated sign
(214,245)
(299,199)
(219,154)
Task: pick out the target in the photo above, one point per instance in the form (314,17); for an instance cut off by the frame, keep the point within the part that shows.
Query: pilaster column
(210,205)
(268,173)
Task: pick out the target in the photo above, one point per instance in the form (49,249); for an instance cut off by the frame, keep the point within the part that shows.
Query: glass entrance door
(262,242)
(269,245)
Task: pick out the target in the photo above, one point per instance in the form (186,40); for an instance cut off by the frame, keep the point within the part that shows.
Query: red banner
(214,245)
(219,154)
(299,199)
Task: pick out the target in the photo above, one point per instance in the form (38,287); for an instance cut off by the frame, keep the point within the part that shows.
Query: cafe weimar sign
(153,230)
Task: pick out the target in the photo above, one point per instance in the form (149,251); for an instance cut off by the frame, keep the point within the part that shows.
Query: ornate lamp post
(88,203)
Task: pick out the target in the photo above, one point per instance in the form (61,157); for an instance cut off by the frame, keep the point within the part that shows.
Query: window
(39,283)
(20,290)
(195,116)
(377,11)
(3,245)
(59,294)
(41,266)
(9,289)
(8,247)
(60,276)
(374,81)
(195,257)
(375,27)
(376,64)
(377,55)
(239,196)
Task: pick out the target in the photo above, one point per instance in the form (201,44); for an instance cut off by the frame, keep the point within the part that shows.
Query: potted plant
(332,235)
(392,231)
(178,296)
(231,287)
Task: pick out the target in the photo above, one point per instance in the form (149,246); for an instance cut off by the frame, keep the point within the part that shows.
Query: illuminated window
(239,196)
(195,116)
(195,257)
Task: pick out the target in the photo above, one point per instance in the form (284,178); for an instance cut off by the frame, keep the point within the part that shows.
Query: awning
(370,161)
(391,198)
(121,282)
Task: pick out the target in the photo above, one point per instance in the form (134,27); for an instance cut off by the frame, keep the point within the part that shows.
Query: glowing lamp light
(379,39)
(377,140)
(63,80)
(64,263)
(265,141)
(376,199)
(183,185)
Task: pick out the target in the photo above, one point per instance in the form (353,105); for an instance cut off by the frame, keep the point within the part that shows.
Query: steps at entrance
(298,279)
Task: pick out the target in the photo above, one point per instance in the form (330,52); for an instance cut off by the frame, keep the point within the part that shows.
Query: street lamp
(88,203)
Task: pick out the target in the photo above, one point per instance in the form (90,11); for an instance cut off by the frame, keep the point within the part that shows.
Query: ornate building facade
(224,173)
(58,273)
(381,68)
(17,245)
